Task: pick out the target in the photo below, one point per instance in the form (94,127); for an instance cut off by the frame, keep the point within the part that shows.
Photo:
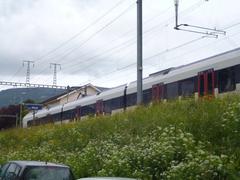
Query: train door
(157,92)
(78,113)
(99,107)
(206,83)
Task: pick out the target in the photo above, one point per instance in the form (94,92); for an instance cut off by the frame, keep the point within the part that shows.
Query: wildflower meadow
(185,139)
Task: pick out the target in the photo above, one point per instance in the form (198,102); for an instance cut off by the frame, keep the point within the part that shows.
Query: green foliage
(185,139)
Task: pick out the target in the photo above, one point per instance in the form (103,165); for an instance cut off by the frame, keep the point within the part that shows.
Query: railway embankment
(185,139)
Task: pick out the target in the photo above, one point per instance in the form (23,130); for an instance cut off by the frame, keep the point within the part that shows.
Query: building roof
(53,98)
(72,89)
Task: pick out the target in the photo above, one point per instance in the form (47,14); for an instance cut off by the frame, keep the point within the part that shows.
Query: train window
(117,103)
(84,111)
(237,73)
(201,84)
(88,110)
(107,107)
(226,80)
(172,90)
(147,96)
(132,99)
(210,81)
(187,87)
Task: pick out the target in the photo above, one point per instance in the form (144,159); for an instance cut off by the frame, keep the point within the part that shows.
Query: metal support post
(139,52)
(16,120)
(20,117)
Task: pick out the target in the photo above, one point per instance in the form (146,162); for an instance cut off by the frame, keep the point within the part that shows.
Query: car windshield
(47,173)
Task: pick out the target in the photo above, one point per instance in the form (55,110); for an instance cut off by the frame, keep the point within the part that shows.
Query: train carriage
(213,76)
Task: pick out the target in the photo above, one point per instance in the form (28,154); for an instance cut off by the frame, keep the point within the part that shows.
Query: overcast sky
(95,40)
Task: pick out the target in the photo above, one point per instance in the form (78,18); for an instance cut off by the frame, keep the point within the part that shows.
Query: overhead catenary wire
(162,52)
(78,34)
(159,54)
(93,23)
(124,34)
(82,31)
(97,32)
(91,58)
(166,51)
(188,9)
(192,8)
(18,71)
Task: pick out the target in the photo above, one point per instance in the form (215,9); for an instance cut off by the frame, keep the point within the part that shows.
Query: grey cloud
(31,28)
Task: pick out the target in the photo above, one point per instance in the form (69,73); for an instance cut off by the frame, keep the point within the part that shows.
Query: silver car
(106,178)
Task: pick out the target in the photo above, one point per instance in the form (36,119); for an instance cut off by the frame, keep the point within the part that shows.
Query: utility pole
(28,70)
(139,52)
(55,72)
(176,2)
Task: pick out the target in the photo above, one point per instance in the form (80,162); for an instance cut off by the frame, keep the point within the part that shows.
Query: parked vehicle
(106,178)
(34,170)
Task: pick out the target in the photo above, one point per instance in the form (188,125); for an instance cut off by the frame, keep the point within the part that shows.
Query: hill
(185,139)
(18,95)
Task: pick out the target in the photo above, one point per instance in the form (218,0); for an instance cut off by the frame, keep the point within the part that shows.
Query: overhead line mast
(28,70)
(55,65)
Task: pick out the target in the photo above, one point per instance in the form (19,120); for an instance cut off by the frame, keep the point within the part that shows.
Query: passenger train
(213,76)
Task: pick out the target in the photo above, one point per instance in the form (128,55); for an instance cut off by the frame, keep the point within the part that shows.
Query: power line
(150,57)
(116,47)
(166,51)
(69,40)
(145,32)
(97,32)
(19,69)
(83,30)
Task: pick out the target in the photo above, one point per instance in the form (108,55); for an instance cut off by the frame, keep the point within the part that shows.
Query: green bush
(174,140)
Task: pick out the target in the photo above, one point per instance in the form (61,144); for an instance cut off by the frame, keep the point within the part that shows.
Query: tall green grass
(185,139)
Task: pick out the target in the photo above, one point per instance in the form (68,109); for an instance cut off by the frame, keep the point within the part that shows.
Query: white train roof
(112,93)
(55,109)
(216,62)
(41,113)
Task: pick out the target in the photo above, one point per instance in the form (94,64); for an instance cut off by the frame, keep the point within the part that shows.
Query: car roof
(38,163)
(106,178)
